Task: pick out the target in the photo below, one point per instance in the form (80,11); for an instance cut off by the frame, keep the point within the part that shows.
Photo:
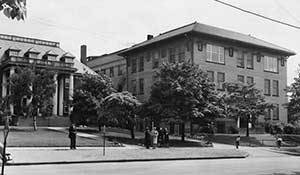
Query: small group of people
(156,138)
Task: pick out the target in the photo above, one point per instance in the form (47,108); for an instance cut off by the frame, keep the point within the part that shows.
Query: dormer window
(50,55)
(67,58)
(32,53)
(13,51)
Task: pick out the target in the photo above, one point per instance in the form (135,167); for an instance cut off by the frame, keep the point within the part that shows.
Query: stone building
(16,51)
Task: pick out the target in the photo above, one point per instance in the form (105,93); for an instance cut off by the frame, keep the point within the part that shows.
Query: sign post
(5,133)
(104,130)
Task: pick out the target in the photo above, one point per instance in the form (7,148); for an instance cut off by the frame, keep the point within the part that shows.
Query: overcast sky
(108,25)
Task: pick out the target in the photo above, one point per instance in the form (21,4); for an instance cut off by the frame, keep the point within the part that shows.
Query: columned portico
(11,72)
(61,95)
(71,91)
(55,95)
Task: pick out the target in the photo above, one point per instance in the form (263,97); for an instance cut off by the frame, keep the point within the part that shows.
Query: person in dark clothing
(72,136)
(160,137)
(237,142)
(166,137)
(147,138)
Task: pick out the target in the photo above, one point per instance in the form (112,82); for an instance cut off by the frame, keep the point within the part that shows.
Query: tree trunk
(132,133)
(182,131)
(34,122)
(247,131)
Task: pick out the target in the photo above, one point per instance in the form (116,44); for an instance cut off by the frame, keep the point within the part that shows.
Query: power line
(287,11)
(259,15)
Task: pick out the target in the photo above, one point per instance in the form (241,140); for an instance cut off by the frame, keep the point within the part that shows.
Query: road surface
(277,165)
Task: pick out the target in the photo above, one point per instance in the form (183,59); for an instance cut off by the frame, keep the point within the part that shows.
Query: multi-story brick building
(227,56)
(16,51)
(112,65)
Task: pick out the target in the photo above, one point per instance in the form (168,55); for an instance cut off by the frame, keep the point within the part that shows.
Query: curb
(123,160)
(286,152)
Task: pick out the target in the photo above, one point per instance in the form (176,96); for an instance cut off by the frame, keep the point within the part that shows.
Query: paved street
(285,165)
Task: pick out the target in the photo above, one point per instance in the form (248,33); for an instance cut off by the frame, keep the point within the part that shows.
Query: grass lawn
(43,137)
(230,140)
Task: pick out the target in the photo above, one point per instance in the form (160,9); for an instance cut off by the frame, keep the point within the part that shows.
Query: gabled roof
(32,50)
(14,48)
(216,32)
(68,55)
(51,52)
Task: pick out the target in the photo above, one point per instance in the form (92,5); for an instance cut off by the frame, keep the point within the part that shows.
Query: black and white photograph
(136,87)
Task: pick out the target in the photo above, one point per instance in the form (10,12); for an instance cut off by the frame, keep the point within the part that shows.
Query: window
(172,55)
(215,54)
(210,76)
(119,70)
(133,67)
(267,114)
(33,55)
(241,78)
(111,72)
(141,85)
(270,64)
(133,85)
(249,59)
(240,60)
(250,80)
(141,64)
(200,45)
(230,52)
(163,53)
(275,88)
(220,80)
(181,55)
(13,53)
(188,46)
(155,62)
(267,87)
(148,56)
(276,112)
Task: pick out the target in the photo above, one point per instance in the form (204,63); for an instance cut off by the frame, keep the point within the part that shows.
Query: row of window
(112,71)
(216,54)
(272,113)
(134,86)
(245,79)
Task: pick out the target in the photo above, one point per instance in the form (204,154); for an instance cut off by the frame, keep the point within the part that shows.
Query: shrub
(207,129)
(289,129)
(276,129)
(232,130)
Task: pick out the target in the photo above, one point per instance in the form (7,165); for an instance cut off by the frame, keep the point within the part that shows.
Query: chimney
(149,37)
(83,54)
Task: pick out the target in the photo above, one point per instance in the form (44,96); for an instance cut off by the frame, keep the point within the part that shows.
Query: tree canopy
(14,9)
(88,96)
(183,93)
(241,100)
(120,109)
(294,104)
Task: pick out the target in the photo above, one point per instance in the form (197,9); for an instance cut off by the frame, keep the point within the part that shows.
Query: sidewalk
(35,156)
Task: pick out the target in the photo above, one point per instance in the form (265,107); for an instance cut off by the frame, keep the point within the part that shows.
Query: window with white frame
(215,54)
(270,64)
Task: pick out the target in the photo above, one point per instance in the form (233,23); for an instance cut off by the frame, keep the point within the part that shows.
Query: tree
(244,101)
(120,108)
(183,93)
(294,104)
(36,84)
(88,96)
(14,8)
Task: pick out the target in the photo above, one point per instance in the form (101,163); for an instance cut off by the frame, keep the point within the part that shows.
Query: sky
(109,25)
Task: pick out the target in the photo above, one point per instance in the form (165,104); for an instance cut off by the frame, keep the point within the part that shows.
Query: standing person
(147,138)
(154,137)
(160,137)
(237,141)
(166,137)
(72,136)
(279,141)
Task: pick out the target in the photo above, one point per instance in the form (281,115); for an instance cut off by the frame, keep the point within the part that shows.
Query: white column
(11,72)
(71,91)
(55,95)
(61,96)
(4,84)
(238,123)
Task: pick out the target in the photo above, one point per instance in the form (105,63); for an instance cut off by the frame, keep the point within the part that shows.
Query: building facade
(227,56)
(16,51)
(112,65)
